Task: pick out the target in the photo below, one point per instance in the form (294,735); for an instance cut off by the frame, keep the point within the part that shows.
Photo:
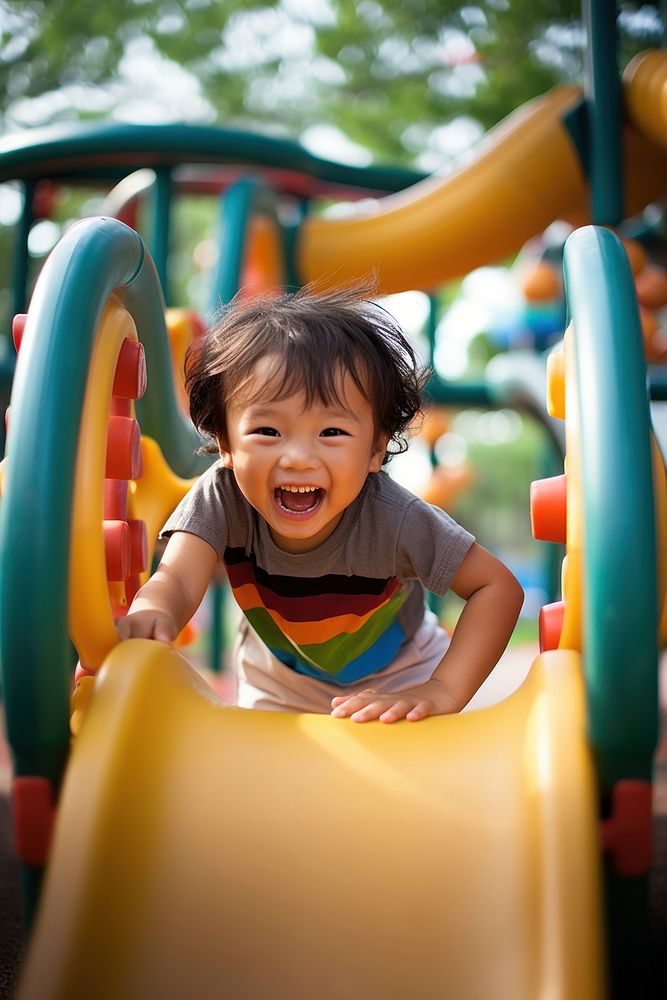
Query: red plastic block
(115,499)
(628,832)
(130,378)
(33,810)
(139,546)
(548,509)
(123,448)
(18,326)
(117,550)
(132,586)
(120,407)
(44,199)
(550,625)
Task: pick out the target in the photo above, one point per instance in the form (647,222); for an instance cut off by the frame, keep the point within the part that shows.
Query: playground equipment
(189,808)
(189,847)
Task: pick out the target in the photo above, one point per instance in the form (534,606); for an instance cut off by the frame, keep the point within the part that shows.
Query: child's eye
(334,432)
(266,431)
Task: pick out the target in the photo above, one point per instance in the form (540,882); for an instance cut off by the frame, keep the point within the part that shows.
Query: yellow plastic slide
(203,851)
(525,174)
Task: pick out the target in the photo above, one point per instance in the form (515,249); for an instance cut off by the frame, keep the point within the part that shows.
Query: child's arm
(493,599)
(168,600)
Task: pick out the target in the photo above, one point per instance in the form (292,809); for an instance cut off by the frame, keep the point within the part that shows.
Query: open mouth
(298,500)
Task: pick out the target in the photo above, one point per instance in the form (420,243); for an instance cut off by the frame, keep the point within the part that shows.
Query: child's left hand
(413,704)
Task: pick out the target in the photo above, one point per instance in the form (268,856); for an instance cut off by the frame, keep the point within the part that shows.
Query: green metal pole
(20,270)
(161,227)
(603,101)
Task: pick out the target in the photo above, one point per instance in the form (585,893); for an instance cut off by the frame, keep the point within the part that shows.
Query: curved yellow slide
(525,174)
(645,87)
(204,851)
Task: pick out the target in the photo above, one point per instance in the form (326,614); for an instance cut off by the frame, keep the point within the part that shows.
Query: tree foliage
(390,74)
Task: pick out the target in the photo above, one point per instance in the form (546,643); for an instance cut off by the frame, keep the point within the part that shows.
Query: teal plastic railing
(95,259)
(620,598)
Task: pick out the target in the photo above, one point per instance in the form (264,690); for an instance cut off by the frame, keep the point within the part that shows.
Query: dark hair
(317,335)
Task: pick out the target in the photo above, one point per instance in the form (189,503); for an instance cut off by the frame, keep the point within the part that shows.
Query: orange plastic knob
(540,282)
(138,546)
(82,672)
(548,509)
(130,378)
(123,448)
(186,636)
(550,625)
(436,423)
(117,550)
(651,286)
(18,326)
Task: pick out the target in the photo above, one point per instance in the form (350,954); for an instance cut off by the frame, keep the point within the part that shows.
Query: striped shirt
(341,611)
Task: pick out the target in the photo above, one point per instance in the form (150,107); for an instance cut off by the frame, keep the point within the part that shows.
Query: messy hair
(316,337)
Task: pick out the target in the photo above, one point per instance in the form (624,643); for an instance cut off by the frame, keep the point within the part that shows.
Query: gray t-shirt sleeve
(431,546)
(204,511)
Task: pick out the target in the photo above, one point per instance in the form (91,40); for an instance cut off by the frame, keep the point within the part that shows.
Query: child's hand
(413,704)
(147,625)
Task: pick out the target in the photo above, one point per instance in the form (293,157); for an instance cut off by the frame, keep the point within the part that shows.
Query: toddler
(306,397)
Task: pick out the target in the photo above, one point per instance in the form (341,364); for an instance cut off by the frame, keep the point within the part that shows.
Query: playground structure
(187,846)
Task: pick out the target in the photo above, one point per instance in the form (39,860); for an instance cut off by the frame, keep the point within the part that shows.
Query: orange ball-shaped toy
(539,281)
(651,286)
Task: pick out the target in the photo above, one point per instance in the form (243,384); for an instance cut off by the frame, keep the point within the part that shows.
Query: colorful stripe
(334,627)
(384,651)
(314,608)
(242,568)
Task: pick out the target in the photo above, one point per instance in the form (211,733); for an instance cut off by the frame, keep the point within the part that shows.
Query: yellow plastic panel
(153,497)
(204,851)
(556,383)
(91,622)
(181,332)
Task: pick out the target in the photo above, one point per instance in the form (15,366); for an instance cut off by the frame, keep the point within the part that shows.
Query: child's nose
(298,455)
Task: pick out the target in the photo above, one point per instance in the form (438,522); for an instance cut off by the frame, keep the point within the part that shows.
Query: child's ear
(379,451)
(225,453)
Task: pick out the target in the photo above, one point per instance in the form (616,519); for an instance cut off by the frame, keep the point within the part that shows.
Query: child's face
(300,468)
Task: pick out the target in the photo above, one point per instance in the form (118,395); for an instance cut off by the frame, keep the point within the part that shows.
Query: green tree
(388,73)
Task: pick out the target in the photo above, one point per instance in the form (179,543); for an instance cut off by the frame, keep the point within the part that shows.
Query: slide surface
(524,174)
(208,851)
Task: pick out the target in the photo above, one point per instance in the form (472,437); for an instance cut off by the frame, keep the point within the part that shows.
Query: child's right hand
(149,624)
